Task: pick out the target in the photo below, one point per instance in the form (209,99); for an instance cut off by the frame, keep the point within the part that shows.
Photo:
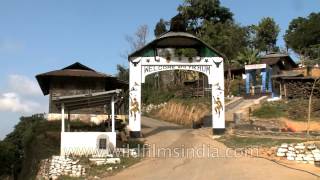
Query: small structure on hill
(288,80)
(252,87)
(271,65)
(80,93)
(78,79)
(278,62)
(297,83)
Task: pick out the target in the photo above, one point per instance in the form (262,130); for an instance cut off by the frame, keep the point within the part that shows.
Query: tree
(266,32)
(248,56)
(228,38)
(178,23)
(303,37)
(310,103)
(139,39)
(122,73)
(135,41)
(198,11)
(160,28)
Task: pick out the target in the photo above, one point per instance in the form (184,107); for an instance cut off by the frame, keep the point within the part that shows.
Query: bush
(271,110)
(156,97)
(8,155)
(296,109)
(22,149)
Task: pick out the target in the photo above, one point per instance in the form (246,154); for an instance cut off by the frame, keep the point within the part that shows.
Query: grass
(271,110)
(243,142)
(296,109)
(192,101)
(151,96)
(184,111)
(102,169)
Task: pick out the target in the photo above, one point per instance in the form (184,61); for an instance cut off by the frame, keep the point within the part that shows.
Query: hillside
(33,139)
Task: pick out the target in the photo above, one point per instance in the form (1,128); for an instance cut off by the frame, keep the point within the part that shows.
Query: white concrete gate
(146,61)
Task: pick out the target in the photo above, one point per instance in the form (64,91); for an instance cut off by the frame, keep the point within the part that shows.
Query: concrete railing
(243,113)
(233,103)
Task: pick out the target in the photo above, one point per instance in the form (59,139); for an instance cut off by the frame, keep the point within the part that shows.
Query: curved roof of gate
(176,40)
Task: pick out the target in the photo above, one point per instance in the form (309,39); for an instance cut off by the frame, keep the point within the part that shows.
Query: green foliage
(303,36)
(101,170)
(8,154)
(228,38)
(192,101)
(266,32)
(178,23)
(186,52)
(152,96)
(237,87)
(22,149)
(293,109)
(271,110)
(298,109)
(122,73)
(160,28)
(245,142)
(196,12)
(247,56)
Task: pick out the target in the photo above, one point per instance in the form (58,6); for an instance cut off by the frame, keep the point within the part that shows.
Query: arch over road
(159,56)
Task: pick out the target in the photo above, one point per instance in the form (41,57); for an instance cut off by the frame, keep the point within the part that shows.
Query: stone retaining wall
(60,165)
(300,152)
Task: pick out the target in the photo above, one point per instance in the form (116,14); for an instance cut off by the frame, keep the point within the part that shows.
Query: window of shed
(103,143)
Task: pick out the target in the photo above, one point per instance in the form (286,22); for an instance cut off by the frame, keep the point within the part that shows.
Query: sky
(38,36)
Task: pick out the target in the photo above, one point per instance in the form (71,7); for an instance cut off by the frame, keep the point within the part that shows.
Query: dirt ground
(226,164)
(300,125)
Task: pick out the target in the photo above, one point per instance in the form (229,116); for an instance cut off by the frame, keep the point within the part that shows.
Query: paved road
(172,136)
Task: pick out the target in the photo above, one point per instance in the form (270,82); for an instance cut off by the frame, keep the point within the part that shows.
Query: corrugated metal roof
(274,55)
(81,101)
(274,58)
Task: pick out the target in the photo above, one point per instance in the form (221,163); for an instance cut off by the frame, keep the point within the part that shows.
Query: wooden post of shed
(112,114)
(68,121)
(285,90)
(280,89)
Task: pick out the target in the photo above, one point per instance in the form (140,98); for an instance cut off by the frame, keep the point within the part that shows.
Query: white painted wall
(85,143)
(83,117)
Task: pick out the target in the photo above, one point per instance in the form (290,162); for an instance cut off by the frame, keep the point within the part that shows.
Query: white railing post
(62,118)
(112,114)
